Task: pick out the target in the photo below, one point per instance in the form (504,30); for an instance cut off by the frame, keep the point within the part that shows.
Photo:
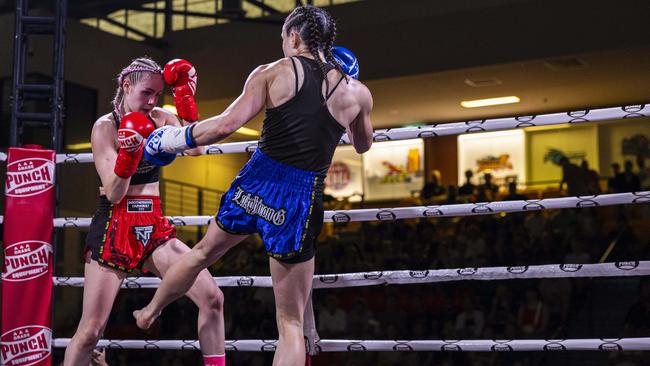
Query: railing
(183,199)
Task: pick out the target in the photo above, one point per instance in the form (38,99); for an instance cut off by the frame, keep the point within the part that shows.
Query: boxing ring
(403,277)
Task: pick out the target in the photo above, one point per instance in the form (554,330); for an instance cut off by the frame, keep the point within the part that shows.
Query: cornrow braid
(315,42)
(318,30)
(133,73)
(329,44)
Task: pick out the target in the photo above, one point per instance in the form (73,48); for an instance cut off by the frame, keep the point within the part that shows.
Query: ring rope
(403,277)
(453,210)
(346,345)
(443,129)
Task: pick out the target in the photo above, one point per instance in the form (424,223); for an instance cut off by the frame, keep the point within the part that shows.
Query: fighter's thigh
(101,285)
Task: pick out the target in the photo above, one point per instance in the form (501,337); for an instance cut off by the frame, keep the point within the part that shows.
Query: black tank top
(302,132)
(145,172)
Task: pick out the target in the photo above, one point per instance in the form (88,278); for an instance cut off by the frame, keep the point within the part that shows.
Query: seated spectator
(574,178)
(359,321)
(331,318)
(644,172)
(482,194)
(512,193)
(532,315)
(592,178)
(468,188)
(557,294)
(502,310)
(393,313)
(432,188)
(616,184)
(490,188)
(631,182)
(578,254)
(452,196)
(637,321)
(470,322)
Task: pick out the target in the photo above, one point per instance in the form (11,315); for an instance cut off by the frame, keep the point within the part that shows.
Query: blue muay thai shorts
(283,204)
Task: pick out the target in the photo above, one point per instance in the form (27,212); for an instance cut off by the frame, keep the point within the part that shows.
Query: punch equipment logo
(245,281)
(341,217)
(570,267)
(517,269)
(26,260)
(501,345)
(419,274)
(328,278)
(373,275)
(25,346)
(386,215)
(29,177)
(433,211)
(627,266)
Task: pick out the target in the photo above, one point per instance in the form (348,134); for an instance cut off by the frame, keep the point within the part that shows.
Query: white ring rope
(403,277)
(346,345)
(444,129)
(399,213)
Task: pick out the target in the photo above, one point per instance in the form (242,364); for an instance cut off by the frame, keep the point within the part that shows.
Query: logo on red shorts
(26,260)
(26,346)
(28,177)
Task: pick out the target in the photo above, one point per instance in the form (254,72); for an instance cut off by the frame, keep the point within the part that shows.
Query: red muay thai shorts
(123,235)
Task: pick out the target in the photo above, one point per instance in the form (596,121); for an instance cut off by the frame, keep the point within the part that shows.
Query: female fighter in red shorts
(129,230)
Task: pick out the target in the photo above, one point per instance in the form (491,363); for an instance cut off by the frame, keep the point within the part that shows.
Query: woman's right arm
(360,131)
(103,143)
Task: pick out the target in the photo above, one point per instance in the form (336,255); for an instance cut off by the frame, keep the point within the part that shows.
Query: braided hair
(317,29)
(133,73)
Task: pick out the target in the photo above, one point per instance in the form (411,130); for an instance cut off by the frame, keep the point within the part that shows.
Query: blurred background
(423,61)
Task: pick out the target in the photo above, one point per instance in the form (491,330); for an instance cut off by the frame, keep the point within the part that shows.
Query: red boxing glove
(181,75)
(135,127)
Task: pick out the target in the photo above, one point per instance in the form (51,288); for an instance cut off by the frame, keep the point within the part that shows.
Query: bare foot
(144,318)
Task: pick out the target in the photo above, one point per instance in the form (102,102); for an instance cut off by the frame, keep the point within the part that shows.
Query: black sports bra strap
(295,72)
(334,88)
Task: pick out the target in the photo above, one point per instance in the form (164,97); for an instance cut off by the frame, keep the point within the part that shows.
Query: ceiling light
(489,101)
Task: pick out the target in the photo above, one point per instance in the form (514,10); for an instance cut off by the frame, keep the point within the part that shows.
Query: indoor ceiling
(506,51)
(571,82)
(606,78)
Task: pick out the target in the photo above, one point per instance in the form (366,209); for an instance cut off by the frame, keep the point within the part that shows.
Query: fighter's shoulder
(104,130)
(105,122)
(359,89)
(275,68)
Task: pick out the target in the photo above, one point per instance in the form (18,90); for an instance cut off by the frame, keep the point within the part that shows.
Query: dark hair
(318,30)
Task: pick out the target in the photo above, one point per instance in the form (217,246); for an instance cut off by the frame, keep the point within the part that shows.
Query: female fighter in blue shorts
(309,104)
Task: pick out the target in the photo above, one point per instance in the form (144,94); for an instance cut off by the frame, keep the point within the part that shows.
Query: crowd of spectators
(575,181)
(527,309)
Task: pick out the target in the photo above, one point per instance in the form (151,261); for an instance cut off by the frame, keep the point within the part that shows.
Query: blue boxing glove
(347,60)
(153,150)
